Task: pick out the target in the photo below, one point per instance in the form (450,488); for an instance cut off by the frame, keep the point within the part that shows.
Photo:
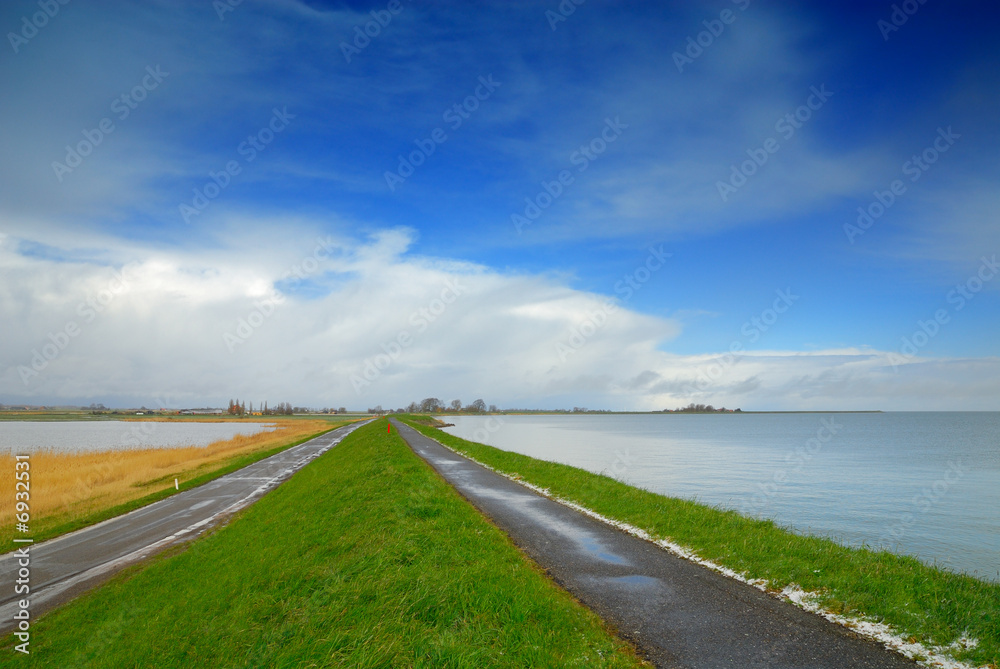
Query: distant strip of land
(557,412)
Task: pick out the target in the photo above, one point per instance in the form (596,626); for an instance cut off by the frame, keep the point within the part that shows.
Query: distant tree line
(434,405)
(237,408)
(701,408)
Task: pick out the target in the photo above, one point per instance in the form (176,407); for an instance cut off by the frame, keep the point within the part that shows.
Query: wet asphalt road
(678,613)
(68,565)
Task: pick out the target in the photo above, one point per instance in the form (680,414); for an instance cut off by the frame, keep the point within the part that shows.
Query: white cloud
(490,334)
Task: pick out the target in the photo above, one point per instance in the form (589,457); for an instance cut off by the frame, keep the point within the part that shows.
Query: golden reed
(70,486)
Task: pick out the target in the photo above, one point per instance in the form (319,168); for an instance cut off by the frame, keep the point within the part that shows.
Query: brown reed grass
(70,486)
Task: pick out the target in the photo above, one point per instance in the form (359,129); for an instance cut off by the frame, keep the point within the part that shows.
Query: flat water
(88,436)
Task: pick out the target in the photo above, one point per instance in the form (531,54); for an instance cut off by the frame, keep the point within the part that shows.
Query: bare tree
(456,405)
(478,406)
(430,405)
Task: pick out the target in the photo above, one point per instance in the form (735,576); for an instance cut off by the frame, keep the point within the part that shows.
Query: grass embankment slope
(364,558)
(70,491)
(925,604)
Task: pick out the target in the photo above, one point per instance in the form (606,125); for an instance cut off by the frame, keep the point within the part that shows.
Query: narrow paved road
(63,567)
(679,613)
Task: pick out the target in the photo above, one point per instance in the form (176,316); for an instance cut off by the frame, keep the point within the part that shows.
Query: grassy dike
(926,605)
(364,558)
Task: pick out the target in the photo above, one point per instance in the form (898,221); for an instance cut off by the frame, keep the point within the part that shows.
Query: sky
(785,206)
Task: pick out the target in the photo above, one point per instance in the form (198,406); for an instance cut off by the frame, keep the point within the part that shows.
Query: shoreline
(922,611)
(82,502)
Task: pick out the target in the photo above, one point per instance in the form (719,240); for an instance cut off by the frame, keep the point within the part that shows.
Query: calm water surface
(86,436)
(924,484)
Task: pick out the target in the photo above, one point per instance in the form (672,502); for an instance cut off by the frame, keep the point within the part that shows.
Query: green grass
(222,468)
(926,604)
(365,558)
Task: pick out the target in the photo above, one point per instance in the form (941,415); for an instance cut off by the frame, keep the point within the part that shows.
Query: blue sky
(309,118)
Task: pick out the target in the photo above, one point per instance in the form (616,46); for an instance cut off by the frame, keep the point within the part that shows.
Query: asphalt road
(679,613)
(63,567)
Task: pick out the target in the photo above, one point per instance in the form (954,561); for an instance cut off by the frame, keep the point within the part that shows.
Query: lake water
(111,435)
(923,484)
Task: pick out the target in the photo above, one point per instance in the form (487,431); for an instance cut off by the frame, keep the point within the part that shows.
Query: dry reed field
(71,487)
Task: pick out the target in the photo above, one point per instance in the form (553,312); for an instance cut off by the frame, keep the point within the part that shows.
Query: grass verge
(924,604)
(72,491)
(364,558)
